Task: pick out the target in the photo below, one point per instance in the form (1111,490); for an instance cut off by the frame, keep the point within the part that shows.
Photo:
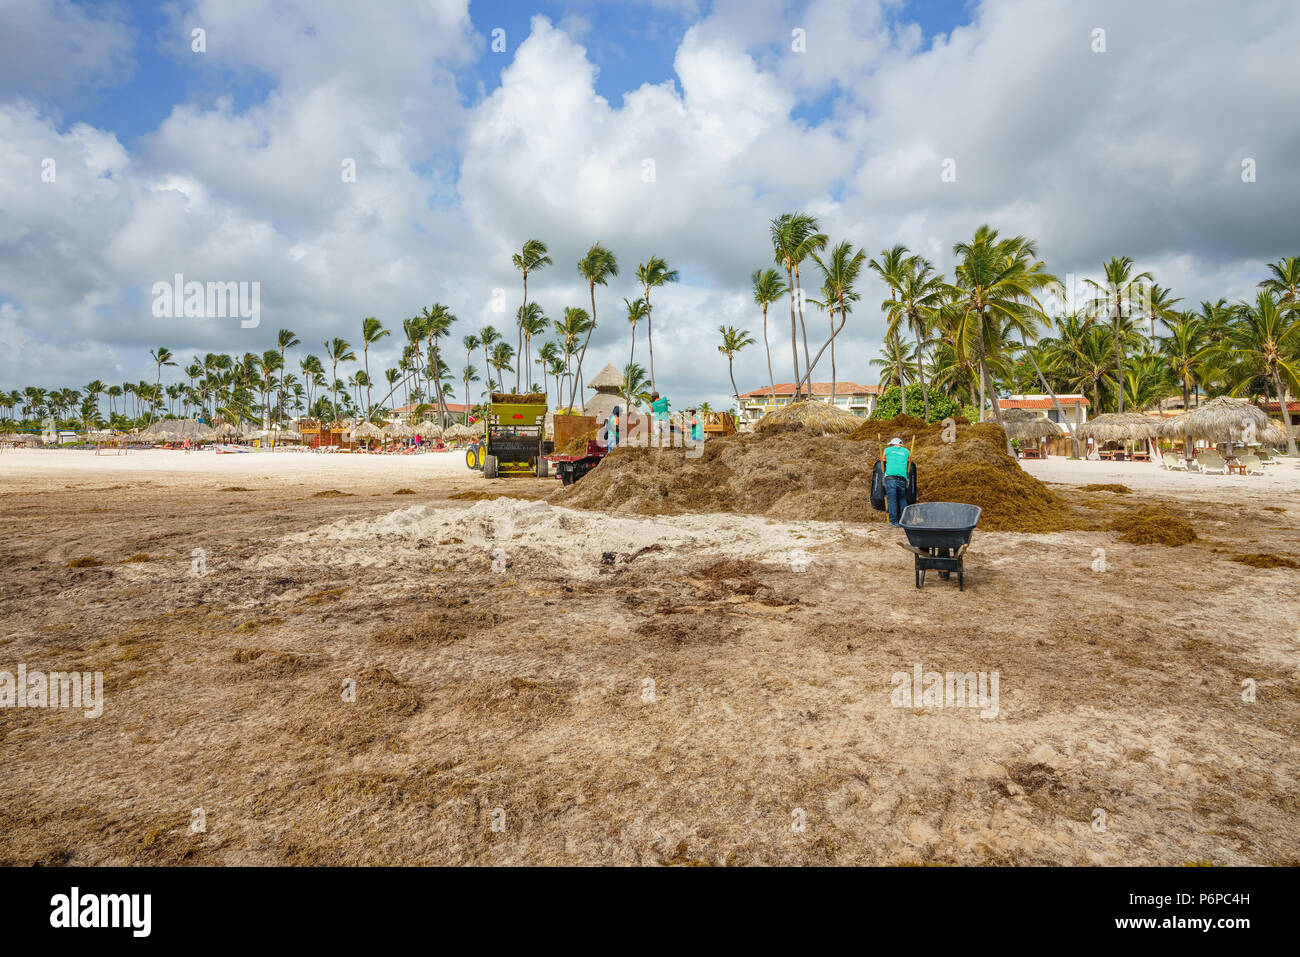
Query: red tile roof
(1276,407)
(818,388)
(1042,403)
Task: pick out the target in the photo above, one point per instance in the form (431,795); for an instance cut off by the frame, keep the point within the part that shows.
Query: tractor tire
(566,475)
(543,468)
(471,457)
(490,466)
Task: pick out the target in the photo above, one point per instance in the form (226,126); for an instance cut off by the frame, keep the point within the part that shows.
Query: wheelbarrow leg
(920,574)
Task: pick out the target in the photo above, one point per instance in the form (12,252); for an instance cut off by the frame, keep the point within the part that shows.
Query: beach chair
(1252,463)
(1173,462)
(1211,462)
(1266,457)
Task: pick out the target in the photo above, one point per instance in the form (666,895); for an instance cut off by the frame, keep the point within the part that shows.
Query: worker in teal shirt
(895,457)
(659,411)
(697,430)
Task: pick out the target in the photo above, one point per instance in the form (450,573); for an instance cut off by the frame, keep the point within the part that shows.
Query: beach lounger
(1252,464)
(1212,462)
(1173,462)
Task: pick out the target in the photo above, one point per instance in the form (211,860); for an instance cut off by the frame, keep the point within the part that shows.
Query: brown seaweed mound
(1154,525)
(788,472)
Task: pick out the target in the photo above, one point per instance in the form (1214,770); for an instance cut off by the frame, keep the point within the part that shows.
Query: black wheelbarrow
(937,535)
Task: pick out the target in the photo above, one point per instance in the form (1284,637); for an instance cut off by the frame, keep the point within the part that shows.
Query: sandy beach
(534,684)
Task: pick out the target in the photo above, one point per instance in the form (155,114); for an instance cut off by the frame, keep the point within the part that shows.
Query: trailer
(572,467)
(513,443)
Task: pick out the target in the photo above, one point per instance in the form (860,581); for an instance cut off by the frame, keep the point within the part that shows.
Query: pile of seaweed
(795,473)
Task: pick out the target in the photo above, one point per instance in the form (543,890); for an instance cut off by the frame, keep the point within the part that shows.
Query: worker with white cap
(895,456)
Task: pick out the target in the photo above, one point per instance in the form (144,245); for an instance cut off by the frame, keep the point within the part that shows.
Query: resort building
(403,413)
(858,399)
(1074,406)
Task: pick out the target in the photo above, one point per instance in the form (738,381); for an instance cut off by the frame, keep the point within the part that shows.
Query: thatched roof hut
(459,431)
(428,429)
(812,415)
(1273,435)
(367,430)
(394,430)
(1220,420)
(1119,427)
(1025,425)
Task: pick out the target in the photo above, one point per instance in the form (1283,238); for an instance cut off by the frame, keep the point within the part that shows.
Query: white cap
(895,441)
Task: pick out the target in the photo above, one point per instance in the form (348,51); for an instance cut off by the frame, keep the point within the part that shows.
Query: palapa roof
(606,378)
(1120,427)
(1220,420)
(810,414)
(1028,426)
(602,404)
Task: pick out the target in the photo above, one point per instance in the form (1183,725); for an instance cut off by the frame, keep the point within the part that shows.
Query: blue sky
(629,50)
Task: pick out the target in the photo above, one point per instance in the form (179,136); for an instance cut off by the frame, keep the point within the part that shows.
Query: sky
(1164,131)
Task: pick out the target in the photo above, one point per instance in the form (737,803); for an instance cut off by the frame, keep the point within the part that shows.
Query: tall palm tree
(502,353)
(1183,350)
(840,270)
(285,339)
(635,385)
(733,340)
(1160,305)
(533,322)
(470,342)
(913,305)
(575,324)
(652,275)
(795,237)
(436,322)
(1124,290)
(767,288)
(1265,342)
(337,350)
(997,281)
(598,266)
(372,330)
(468,374)
(636,311)
(530,258)
(162,356)
(488,337)
(892,267)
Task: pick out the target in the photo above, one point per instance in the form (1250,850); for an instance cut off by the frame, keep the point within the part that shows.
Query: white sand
(47,464)
(1150,477)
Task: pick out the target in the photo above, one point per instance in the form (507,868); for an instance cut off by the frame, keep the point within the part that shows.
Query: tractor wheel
(490,466)
(543,468)
(566,476)
(471,457)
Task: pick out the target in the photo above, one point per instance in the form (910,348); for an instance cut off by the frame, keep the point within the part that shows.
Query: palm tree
(652,275)
(470,342)
(635,385)
(768,288)
(897,362)
(636,311)
(795,237)
(1183,349)
(733,340)
(533,322)
(598,266)
(502,353)
(840,271)
(436,322)
(1160,306)
(372,330)
(1117,299)
(570,330)
(1285,281)
(338,350)
(285,339)
(892,267)
(547,356)
(1265,342)
(468,374)
(487,338)
(530,258)
(914,305)
(162,356)
(996,283)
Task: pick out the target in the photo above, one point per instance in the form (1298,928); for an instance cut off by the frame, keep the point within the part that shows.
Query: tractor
(512,442)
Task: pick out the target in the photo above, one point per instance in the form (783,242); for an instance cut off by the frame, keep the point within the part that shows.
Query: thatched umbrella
(1273,435)
(225,430)
(398,430)
(1119,427)
(818,417)
(428,429)
(1228,420)
(459,431)
(367,430)
(1024,425)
